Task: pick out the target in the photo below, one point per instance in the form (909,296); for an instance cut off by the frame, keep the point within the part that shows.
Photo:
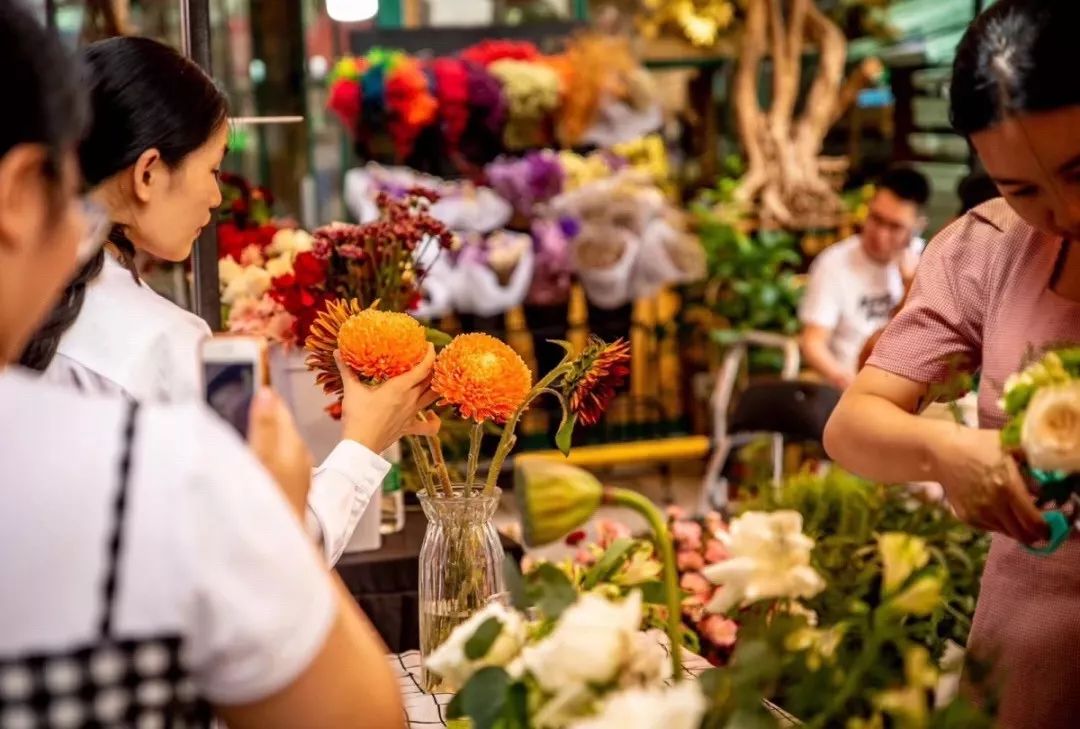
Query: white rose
(1051,432)
(289,242)
(681,706)
(228,269)
(252,282)
(279,266)
(449,660)
(770,558)
(593,640)
(648,664)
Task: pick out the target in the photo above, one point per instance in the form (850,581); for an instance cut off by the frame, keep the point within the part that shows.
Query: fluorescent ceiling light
(352,11)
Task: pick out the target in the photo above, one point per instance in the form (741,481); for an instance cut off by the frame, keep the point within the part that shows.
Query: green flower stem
(440,464)
(645,507)
(474,456)
(506,442)
(423,465)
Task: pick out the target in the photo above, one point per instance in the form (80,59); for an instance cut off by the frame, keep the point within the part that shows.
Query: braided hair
(143,95)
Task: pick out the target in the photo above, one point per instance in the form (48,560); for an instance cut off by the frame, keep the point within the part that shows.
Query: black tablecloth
(385,582)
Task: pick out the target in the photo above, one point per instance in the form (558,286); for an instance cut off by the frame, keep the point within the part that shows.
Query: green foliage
(481,641)
(487,701)
(752,281)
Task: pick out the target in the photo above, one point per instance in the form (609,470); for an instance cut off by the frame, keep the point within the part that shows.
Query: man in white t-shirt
(855,284)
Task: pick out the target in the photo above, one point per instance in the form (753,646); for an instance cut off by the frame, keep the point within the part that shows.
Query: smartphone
(234,368)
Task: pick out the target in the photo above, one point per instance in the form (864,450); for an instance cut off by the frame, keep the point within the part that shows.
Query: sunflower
(483,377)
(595,377)
(322,341)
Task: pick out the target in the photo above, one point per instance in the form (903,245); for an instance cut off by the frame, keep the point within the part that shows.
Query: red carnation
(308,269)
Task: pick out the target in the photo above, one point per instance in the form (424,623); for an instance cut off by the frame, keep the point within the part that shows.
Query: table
(385,582)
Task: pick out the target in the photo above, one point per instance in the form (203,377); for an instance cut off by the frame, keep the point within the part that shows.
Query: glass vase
(461,566)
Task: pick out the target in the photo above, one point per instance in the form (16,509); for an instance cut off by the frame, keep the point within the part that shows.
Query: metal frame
(195,43)
(714,489)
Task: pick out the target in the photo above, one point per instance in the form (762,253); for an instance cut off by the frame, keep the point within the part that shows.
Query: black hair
(907,184)
(143,95)
(975,189)
(1010,61)
(43,86)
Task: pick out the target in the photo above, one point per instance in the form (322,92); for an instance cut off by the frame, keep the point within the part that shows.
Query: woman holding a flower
(152,156)
(998,283)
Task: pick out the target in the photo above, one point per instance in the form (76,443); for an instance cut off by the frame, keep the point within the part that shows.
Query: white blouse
(128,338)
(249,596)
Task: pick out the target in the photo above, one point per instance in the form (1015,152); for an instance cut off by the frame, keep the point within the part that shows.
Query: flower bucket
(307,401)
(461,565)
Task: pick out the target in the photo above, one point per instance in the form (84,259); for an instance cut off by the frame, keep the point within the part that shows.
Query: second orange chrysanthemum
(481,376)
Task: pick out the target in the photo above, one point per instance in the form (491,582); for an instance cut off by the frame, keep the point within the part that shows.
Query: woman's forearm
(877,439)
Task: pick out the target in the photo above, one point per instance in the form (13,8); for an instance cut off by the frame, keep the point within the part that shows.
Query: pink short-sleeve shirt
(982,293)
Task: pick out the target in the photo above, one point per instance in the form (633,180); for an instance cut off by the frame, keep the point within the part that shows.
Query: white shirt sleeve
(341,488)
(170,370)
(819,305)
(263,603)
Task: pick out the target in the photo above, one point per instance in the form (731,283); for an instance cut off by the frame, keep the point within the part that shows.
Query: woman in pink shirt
(995,285)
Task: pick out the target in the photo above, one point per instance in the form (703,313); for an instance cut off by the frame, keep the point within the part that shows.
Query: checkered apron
(113,681)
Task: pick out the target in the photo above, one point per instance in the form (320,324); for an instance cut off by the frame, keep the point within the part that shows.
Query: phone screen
(230,386)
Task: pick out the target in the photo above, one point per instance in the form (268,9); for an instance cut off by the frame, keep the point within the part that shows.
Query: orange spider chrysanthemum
(323,340)
(380,345)
(483,377)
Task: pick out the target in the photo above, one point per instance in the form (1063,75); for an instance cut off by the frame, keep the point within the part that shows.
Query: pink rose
(687,534)
(608,530)
(695,584)
(719,630)
(715,551)
(689,560)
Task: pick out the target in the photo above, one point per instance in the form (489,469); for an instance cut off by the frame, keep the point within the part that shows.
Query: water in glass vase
(461,566)
(393,497)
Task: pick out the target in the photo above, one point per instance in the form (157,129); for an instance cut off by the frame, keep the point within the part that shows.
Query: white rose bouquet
(1042,404)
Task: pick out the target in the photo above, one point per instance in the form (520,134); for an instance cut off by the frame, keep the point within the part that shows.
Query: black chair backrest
(797,410)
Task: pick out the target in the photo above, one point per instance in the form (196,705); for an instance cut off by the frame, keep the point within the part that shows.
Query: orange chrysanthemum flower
(597,374)
(483,377)
(322,341)
(377,345)
(380,345)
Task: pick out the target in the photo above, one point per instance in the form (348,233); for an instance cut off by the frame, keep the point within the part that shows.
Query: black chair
(783,409)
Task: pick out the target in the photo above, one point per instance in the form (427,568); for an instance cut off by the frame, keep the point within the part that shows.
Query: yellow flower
(322,342)
(910,705)
(901,555)
(481,376)
(922,598)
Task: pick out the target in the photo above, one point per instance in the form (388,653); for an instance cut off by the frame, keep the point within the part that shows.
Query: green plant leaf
(609,563)
(551,590)
(564,438)
(481,641)
(439,338)
(482,699)
(515,584)
(652,593)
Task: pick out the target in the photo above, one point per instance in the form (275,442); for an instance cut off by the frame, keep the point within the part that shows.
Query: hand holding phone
(234,368)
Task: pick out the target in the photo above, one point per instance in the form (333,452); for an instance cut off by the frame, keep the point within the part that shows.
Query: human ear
(23,194)
(146,174)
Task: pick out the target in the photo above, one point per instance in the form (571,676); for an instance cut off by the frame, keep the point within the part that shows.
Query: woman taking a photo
(151,158)
(132,592)
(1000,282)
